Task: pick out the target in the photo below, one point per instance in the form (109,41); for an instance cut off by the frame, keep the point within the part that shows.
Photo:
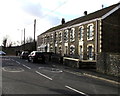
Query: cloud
(19,14)
(53,20)
(33,9)
(38,9)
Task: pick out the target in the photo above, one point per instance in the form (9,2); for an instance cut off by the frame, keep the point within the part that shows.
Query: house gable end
(110,12)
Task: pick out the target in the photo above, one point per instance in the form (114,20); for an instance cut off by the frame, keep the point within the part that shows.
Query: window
(51,48)
(60,36)
(72,50)
(60,49)
(45,39)
(42,39)
(90,32)
(48,38)
(55,36)
(72,34)
(66,36)
(55,49)
(81,33)
(90,53)
(81,52)
(51,38)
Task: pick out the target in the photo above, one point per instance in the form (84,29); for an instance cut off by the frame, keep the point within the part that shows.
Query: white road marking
(12,59)
(50,69)
(13,71)
(75,90)
(17,62)
(43,75)
(26,66)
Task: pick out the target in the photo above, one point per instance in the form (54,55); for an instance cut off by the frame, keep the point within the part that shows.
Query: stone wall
(75,63)
(71,63)
(109,63)
(57,58)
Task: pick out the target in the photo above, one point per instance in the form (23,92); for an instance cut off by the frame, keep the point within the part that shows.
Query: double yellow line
(92,76)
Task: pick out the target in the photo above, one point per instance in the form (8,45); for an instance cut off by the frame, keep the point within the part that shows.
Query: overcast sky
(15,15)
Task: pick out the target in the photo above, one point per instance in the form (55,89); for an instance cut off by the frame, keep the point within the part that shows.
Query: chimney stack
(85,13)
(63,21)
(102,6)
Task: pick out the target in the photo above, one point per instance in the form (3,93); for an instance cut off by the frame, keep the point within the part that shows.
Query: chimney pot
(85,13)
(63,21)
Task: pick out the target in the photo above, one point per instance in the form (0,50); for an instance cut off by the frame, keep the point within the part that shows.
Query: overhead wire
(55,9)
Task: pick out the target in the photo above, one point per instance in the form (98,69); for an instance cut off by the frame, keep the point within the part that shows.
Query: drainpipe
(96,41)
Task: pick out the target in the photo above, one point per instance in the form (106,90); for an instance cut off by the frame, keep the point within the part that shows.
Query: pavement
(89,73)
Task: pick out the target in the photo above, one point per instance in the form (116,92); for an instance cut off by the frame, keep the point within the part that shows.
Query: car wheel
(32,60)
(28,60)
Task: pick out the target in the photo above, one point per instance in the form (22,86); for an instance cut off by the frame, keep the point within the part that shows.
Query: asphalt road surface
(22,77)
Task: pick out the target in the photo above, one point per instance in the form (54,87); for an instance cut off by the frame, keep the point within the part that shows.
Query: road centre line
(26,66)
(43,75)
(17,62)
(75,90)
(12,59)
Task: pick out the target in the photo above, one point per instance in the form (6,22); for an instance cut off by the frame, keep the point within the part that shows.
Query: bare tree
(10,44)
(29,40)
(5,41)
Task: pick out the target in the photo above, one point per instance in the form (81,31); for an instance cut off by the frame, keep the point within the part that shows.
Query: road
(22,77)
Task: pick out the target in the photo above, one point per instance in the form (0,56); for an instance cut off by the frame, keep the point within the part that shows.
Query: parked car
(24,55)
(36,56)
(2,53)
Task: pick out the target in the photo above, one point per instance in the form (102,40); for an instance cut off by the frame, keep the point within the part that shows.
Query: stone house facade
(84,38)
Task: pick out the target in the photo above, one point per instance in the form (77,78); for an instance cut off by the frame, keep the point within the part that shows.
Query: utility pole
(21,36)
(34,33)
(24,38)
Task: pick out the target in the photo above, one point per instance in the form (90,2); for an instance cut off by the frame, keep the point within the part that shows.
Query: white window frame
(60,36)
(66,36)
(56,37)
(91,31)
(52,35)
(91,51)
(72,34)
(72,51)
(51,48)
(60,49)
(51,38)
(81,33)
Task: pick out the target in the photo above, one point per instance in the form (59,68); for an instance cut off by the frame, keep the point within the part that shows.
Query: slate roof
(88,17)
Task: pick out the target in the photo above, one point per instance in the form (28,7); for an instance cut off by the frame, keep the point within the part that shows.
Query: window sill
(90,39)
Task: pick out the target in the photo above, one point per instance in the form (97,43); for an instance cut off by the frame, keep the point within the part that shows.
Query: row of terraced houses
(85,39)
